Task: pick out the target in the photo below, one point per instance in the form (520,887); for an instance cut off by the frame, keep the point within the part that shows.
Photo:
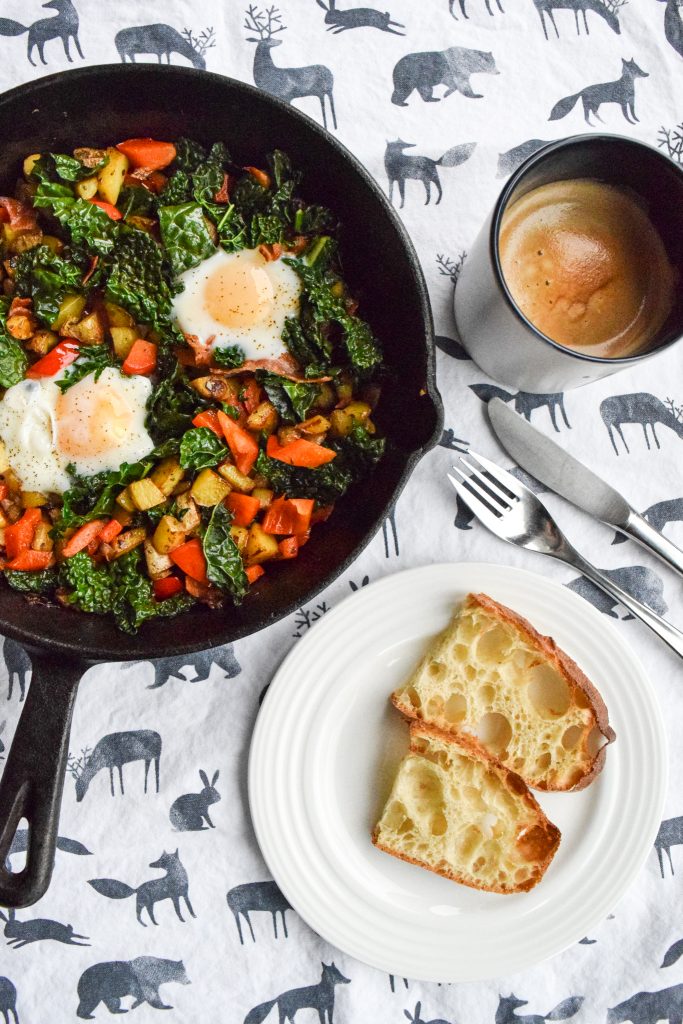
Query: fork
(515,514)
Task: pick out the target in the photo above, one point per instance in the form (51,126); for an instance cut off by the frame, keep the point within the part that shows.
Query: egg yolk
(89,425)
(239,294)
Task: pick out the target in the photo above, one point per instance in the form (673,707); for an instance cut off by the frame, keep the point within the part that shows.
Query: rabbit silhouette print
(189,812)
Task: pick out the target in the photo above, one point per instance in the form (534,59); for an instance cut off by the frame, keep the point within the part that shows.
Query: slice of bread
(455,810)
(491,675)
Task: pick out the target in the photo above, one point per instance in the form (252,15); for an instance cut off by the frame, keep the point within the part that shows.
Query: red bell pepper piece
(142,358)
(208,418)
(148,153)
(289,547)
(244,508)
(83,536)
(110,210)
(30,561)
(63,354)
(299,452)
(167,587)
(254,572)
(190,558)
(19,536)
(284,516)
(250,395)
(322,514)
(241,443)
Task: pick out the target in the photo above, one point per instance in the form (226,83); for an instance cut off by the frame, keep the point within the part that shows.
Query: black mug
(491,327)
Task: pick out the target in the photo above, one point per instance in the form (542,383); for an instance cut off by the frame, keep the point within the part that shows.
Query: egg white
(259,334)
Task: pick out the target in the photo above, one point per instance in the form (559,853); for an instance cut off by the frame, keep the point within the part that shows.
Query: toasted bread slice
(490,674)
(457,811)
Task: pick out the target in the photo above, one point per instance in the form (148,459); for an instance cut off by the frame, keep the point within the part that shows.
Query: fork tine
(499,494)
(501,476)
(480,504)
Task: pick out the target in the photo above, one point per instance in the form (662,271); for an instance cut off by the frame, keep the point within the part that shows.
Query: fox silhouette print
(658,516)
(642,408)
(21,933)
(401,167)
(463,9)
(253,896)
(650,1007)
(115,750)
(112,981)
(163,40)
(507,1005)
(673,954)
(63,25)
(18,664)
(639,580)
(357,17)
(606,9)
(417,1018)
(525,401)
(515,157)
(20,845)
(170,886)
(621,92)
(286,83)
(452,68)
(200,664)
(670,834)
(189,812)
(8,1001)
(318,997)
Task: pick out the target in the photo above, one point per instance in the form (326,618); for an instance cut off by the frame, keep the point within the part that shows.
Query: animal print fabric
(160,897)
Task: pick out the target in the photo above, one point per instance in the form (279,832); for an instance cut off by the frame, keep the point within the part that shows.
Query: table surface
(508,77)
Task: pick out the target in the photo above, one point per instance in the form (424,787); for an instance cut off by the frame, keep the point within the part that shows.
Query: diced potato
(123,339)
(4,461)
(147,224)
(221,389)
(110,178)
(87,188)
(42,342)
(158,565)
(240,535)
(118,316)
(286,435)
(88,156)
(238,481)
(42,541)
(30,162)
(264,495)
(167,475)
(27,240)
(264,417)
(188,513)
(260,546)
(344,389)
(208,488)
(145,494)
(123,516)
(169,535)
(326,399)
(124,542)
(4,521)
(53,243)
(70,309)
(355,414)
(33,499)
(125,500)
(315,425)
(89,330)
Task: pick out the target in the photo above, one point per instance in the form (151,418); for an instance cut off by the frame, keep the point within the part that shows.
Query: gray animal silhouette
(642,408)
(658,515)
(161,40)
(415,1017)
(546,7)
(63,25)
(21,933)
(650,1007)
(640,581)
(253,896)
(18,664)
(453,443)
(200,663)
(621,92)
(401,167)
(318,997)
(670,834)
(117,749)
(112,981)
(189,812)
(20,845)
(392,982)
(515,157)
(673,24)
(451,347)
(286,83)
(505,1014)
(673,954)
(463,11)
(389,527)
(525,401)
(170,886)
(452,68)
(2,745)
(8,1001)
(357,17)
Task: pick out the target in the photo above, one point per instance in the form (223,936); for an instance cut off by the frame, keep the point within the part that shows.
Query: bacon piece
(21,216)
(283,366)
(223,194)
(93,266)
(201,349)
(270,252)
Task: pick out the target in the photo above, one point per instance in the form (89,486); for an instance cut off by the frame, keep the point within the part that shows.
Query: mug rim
(497,216)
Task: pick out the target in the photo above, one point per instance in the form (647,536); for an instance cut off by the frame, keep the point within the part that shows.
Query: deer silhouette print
(515,157)
(673,24)
(640,581)
(18,664)
(113,751)
(401,167)
(650,1007)
(658,516)
(415,1017)
(286,83)
(641,408)
(8,1001)
(525,401)
(452,68)
(63,25)
(163,40)
(200,665)
(171,886)
(463,10)
(318,997)
(357,17)
(141,978)
(621,92)
(21,933)
(670,834)
(505,1014)
(189,812)
(257,896)
(606,9)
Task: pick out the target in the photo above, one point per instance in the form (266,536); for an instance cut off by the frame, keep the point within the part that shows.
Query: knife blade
(560,472)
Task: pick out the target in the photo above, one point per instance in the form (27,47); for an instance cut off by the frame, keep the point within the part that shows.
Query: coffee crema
(584,263)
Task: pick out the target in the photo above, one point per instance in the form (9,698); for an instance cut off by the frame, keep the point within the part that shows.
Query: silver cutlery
(515,514)
(562,473)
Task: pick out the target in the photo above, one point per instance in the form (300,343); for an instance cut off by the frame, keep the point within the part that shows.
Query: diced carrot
(19,536)
(167,587)
(241,443)
(142,358)
(82,537)
(148,153)
(190,558)
(302,453)
(304,507)
(250,394)
(110,210)
(30,561)
(322,514)
(283,517)
(260,176)
(109,531)
(4,491)
(303,538)
(254,572)
(289,547)
(243,507)
(63,354)
(208,418)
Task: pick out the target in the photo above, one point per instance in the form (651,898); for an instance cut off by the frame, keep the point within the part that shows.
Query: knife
(565,475)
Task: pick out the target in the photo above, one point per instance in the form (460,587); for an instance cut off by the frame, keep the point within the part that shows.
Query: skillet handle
(33,779)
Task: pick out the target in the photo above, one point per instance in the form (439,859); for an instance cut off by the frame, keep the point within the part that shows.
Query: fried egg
(96,425)
(239,299)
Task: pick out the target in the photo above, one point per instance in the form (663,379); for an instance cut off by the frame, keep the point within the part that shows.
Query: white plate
(326,745)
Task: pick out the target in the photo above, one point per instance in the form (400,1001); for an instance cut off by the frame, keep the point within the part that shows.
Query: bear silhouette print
(639,580)
(452,68)
(650,1007)
(189,812)
(112,981)
(8,1001)
(200,665)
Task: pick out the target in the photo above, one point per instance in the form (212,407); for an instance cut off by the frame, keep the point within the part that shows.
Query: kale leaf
(201,448)
(55,166)
(172,406)
(292,400)
(32,582)
(307,344)
(92,359)
(141,279)
(138,201)
(207,178)
(46,277)
(13,358)
(89,586)
(224,565)
(310,219)
(185,235)
(229,357)
(189,155)
(132,595)
(178,189)
(93,496)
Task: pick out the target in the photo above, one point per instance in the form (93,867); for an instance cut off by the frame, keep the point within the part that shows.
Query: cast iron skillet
(95,106)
